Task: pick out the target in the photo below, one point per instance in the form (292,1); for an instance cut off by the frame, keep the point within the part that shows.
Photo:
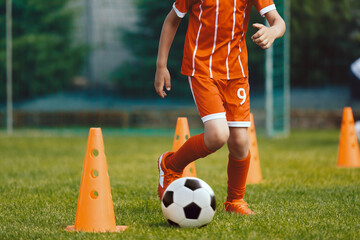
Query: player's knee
(239,142)
(239,153)
(216,138)
(238,147)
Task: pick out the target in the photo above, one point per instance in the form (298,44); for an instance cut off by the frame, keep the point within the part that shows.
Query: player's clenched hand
(162,77)
(265,36)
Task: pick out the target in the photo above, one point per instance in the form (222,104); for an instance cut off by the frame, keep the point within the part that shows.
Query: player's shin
(237,172)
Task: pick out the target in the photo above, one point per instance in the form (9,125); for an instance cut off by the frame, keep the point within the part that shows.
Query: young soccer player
(215,61)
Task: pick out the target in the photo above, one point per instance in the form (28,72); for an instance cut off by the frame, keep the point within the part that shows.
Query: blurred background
(84,63)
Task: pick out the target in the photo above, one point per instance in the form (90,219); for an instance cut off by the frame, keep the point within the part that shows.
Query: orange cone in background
(182,133)
(254,174)
(349,153)
(95,211)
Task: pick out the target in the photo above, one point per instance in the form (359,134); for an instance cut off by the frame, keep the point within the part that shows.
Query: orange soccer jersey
(215,41)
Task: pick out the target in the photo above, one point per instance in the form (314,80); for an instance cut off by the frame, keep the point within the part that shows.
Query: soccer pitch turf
(303,194)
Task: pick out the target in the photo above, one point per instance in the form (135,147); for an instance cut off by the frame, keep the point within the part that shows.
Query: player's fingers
(264,43)
(269,43)
(159,86)
(261,38)
(168,83)
(258,34)
(160,93)
(258,25)
(163,94)
(266,46)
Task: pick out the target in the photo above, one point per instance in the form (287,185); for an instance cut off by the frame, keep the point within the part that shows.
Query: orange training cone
(95,211)
(349,154)
(182,134)
(254,174)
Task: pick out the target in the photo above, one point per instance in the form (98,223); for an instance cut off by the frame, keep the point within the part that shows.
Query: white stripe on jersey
(197,39)
(215,36)
(242,68)
(229,44)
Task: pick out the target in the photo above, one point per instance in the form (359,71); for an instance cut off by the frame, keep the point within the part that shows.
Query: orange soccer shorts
(222,98)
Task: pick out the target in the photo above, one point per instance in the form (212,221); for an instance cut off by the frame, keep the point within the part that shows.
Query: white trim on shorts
(192,92)
(239,124)
(214,116)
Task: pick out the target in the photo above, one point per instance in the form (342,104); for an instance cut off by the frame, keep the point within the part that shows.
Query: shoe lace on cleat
(241,202)
(172,175)
(238,204)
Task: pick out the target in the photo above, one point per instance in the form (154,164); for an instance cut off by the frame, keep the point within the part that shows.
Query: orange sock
(237,172)
(194,148)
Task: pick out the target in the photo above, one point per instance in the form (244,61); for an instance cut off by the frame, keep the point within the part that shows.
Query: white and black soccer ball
(357,129)
(188,202)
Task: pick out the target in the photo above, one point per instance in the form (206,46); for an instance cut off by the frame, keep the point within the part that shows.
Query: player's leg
(238,115)
(238,142)
(172,164)
(216,133)
(238,166)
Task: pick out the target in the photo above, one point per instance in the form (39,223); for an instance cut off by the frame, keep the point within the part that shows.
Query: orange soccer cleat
(166,175)
(238,206)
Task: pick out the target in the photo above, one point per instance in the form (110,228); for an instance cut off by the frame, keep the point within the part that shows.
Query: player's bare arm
(162,76)
(265,36)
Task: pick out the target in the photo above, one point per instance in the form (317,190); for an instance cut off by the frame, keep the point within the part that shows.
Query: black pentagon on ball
(168,198)
(173,223)
(213,202)
(192,211)
(192,184)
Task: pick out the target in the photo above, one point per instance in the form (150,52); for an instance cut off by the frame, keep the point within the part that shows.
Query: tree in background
(135,78)
(325,39)
(44,56)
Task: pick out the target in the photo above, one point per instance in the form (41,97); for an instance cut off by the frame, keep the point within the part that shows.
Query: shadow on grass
(162,224)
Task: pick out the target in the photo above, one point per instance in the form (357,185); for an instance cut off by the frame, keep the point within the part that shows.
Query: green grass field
(303,194)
